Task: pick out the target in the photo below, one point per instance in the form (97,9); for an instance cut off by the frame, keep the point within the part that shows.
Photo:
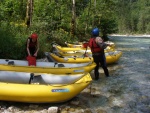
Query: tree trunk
(73,21)
(29,13)
(88,19)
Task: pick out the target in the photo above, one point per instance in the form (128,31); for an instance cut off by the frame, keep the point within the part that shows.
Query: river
(127,90)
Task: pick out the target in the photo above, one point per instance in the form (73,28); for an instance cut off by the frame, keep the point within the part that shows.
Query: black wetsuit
(100,59)
(32,47)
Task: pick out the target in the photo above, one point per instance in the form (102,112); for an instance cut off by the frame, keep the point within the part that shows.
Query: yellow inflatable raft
(45,67)
(71,60)
(77,49)
(111,57)
(81,44)
(36,93)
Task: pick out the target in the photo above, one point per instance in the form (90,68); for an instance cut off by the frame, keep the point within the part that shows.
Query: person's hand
(110,44)
(35,54)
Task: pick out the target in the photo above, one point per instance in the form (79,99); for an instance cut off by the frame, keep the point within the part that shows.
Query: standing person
(32,45)
(97,46)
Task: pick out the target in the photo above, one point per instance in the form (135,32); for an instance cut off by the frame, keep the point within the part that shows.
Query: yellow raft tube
(111,57)
(52,70)
(81,44)
(35,93)
(77,49)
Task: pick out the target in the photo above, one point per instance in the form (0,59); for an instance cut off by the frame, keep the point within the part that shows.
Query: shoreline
(128,35)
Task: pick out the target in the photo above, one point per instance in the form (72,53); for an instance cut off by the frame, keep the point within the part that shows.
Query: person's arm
(35,54)
(28,51)
(100,42)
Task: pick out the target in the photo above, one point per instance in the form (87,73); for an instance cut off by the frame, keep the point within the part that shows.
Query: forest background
(67,20)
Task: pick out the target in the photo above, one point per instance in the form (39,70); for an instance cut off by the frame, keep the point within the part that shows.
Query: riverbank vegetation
(67,20)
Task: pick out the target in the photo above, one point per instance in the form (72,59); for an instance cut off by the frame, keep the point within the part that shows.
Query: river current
(128,88)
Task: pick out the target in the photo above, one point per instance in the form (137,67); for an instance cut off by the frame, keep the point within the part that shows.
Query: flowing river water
(127,90)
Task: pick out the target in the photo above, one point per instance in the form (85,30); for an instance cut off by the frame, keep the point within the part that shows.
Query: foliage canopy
(60,21)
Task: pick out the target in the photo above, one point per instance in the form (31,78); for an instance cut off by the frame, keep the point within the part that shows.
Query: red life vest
(94,47)
(32,44)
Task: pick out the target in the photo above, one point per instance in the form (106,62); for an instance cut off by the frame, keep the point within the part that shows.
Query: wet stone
(2,110)
(37,112)
(11,109)
(145,100)
(28,111)
(66,108)
(87,111)
(64,111)
(95,90)
(86,90)
(79,111)
(132,104)
(44,111)
(53,110)
(144,108)
(33,106)
(26,107)
(5,111)
(71,109)
(113,101)
(101,111)
(75,102)
(20,112)
(95,93)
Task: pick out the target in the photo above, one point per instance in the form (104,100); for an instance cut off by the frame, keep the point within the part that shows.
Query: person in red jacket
(97,46)
(32,45)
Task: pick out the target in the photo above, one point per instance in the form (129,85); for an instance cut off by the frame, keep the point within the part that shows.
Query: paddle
(84,53)
(85,45)
(31,77)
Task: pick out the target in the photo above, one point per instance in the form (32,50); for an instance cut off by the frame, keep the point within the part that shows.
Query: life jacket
(93,45)
(32,44)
